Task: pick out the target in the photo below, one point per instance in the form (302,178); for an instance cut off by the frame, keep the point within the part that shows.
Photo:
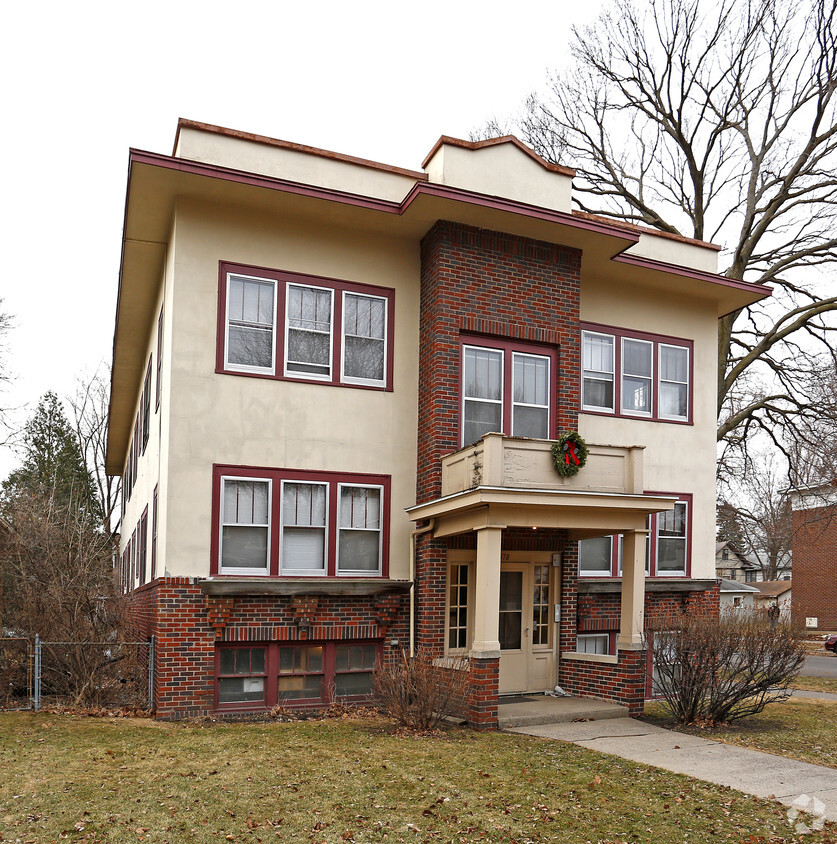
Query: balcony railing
(501,461)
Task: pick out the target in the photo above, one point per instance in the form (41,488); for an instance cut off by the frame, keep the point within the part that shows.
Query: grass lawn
(118,780)
(816,684)
(797,728)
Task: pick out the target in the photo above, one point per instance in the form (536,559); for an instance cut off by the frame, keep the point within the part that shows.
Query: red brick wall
(815,566)
(187,625)
(484,282)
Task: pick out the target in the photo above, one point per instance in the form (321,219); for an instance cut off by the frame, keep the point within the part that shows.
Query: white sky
(86,81)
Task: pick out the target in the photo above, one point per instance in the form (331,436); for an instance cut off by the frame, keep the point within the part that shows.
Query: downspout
(413,536)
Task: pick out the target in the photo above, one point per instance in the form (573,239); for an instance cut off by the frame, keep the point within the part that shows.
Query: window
(287,325)
(666,549)
(158,387)
(458,607)
(245,540)
(142,552)
(507,389)
(241,675)
(750,577)
(592,643)
(309,674)
(634,374)
(145,404)
(154,535)
(299,523)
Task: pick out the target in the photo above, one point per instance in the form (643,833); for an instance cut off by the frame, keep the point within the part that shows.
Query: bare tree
(717,121)
(5,374)
(755,508)
(89,406)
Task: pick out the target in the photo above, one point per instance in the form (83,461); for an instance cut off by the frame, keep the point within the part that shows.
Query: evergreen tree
(53,464)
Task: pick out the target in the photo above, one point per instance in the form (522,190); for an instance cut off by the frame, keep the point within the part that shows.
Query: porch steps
(532,710)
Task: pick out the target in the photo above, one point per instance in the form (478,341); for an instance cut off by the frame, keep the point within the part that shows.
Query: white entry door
(527,659)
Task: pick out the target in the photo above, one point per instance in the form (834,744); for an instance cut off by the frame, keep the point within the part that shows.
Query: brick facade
(814,592)
(530,291)
(188,625)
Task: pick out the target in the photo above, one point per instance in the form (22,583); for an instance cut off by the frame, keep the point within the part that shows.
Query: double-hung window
(278,324)
(635,375)
(507,389)
(300,524)
(666,546)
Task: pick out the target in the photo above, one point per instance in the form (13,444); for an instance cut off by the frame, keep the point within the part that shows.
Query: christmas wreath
(569,454)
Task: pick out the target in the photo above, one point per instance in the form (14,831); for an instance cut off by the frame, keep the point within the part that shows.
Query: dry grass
(816,684)
(124,780)
(797,728)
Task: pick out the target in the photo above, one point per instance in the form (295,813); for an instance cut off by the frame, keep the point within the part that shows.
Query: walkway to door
(533,710)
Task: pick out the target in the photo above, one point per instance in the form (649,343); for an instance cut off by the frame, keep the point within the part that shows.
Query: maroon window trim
(684,497)
(154,534)
(271,692)
(143,547)
(276,476)
(508,346)
(282,278)
(158,385)
(657,340)
(146,406)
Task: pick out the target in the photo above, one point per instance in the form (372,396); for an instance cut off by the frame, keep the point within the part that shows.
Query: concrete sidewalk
(750,771)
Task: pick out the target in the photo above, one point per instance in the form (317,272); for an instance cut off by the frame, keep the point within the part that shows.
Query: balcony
(514,463)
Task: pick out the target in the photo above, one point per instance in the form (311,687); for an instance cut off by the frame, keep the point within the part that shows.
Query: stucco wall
(230,419)
(678,458)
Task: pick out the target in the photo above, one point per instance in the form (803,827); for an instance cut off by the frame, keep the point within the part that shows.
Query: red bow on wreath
(569,451)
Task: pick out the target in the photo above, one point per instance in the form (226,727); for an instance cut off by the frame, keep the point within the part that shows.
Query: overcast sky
(83,82)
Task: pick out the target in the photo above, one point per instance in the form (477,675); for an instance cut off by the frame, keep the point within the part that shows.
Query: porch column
(630,636)
(487,593)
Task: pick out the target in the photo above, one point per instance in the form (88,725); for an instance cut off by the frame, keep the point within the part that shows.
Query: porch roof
(582,513)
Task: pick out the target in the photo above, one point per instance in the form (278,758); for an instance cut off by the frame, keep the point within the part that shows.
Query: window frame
(158,385)
(271,675)
(590,636)
(282,280)
(154,505)
(244,572)
(145,406)
(468,586)
(508,348)
(333,481)
(658,342)
(651,545)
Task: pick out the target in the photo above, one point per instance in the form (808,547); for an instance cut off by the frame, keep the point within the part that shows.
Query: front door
(527,660)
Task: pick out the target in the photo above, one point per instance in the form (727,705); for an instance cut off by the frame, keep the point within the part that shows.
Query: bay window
(507,389)
(293,523)
(635,374)
(291,326)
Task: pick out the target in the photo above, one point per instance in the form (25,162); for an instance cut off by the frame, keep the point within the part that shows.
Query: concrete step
(533,710)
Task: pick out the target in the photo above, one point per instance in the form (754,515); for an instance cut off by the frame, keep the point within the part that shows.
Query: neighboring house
(335,390)
(730,564)
(759,563)
(777,592)
(815,555)
(737,596)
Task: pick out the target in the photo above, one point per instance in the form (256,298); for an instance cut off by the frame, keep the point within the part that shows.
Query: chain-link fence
(103,675)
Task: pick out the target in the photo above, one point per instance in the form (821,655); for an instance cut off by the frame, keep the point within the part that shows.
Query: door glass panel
(540,606)
(511,610)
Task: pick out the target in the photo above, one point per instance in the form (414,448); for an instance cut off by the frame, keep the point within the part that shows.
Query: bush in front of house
(418,692)
(714,670)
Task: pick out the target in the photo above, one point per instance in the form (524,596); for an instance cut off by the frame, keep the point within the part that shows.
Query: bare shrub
(713,670)
(417,692)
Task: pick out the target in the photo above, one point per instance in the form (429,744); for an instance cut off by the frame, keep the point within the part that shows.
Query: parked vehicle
(831,644)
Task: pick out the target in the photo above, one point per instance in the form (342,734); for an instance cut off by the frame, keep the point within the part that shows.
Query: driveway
(820,666)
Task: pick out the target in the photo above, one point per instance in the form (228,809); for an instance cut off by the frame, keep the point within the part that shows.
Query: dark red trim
(508,346)
(183,123)
(145,406)
(276,476)
(271,674)
(491,142)
(158,387)
(142,553)
(618,334)
(688,272)
(282,278)
(154,533)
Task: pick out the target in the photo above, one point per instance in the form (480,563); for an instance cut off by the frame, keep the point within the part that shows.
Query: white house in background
(737,596)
